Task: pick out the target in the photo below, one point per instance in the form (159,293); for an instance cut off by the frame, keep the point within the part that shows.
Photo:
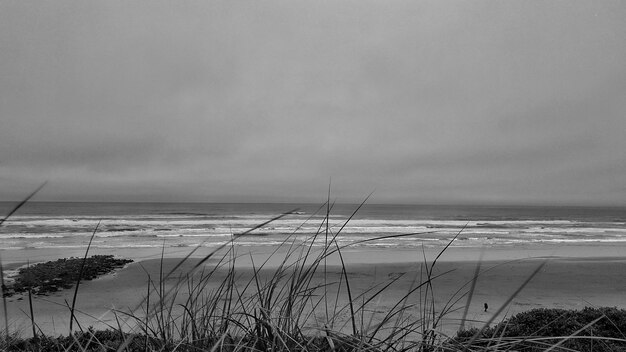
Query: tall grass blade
(350,302)
(30,304)
(2,287)
(575,333)
(504,305)
(21,204)
(161,289)
(80,275)
(145,330)
(4,304)
(447,246)
(327,220)
(67,304)
(471,291)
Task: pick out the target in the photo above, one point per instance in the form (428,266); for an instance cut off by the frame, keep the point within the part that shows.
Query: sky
(477,102)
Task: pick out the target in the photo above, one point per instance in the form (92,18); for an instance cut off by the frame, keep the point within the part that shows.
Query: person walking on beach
(486,307)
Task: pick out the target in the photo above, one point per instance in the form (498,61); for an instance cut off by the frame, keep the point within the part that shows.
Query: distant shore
(572,278)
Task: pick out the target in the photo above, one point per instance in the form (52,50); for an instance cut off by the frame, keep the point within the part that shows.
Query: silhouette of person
(486,307)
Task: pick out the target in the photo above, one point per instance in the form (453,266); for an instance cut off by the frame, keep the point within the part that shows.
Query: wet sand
(568,281)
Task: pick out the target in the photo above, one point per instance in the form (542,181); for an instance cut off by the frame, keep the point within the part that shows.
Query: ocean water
(141,225)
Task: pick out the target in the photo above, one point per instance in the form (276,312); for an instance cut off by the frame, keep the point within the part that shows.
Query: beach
(571,278)
(582,250)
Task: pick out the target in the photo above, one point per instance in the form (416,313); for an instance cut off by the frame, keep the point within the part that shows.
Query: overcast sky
(517,102)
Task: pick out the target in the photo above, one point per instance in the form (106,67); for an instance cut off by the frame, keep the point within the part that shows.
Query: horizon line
(388,203)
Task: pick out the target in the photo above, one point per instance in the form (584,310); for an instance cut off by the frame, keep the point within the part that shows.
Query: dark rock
(63,273)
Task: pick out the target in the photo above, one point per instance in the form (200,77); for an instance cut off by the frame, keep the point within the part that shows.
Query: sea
(66,225)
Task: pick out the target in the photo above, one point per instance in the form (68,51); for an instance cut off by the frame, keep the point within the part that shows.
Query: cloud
(422,101)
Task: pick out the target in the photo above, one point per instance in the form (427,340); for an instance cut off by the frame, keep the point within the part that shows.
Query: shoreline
(14,258)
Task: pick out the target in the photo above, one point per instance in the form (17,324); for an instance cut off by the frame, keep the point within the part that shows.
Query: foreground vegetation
(590,329)
(212,308)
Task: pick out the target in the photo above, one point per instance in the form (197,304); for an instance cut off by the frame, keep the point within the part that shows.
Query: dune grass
(298,306)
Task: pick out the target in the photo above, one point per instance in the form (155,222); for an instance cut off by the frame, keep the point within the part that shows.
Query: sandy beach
(573,279)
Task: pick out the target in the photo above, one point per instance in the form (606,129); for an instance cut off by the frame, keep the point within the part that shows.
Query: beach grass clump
(532,331)
(297,304)
(90,340)
(589,329)
(44,278)
(110,340)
